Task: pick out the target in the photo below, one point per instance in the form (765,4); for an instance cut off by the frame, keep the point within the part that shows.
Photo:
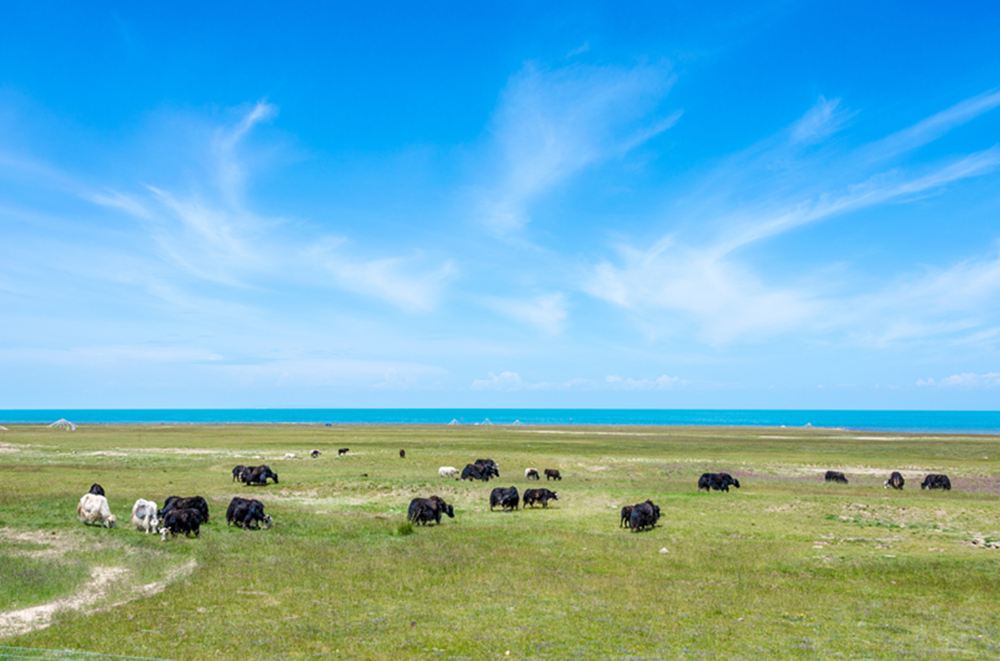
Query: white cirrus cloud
(971,380)
(553,123)
(546,312)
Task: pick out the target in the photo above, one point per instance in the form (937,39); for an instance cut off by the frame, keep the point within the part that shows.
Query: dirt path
(93,596)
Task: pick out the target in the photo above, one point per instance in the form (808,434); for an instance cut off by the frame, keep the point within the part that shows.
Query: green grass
(787,566)
(26,581)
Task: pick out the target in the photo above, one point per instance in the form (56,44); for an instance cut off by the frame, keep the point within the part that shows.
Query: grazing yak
(181,520)
(643,516)
(488,467)
(342,451)
(177,503)
(258,475)
(95,511)
(936,481)
(552,474)
(895,481)
(97,489)
(479,471)
(543,496)
(402,454)
(717,482)
(448,471)
(507,498)
(144,516)
(531,474)
(247,513)
(424,510)
(315,454)
(835,476)
(626,515)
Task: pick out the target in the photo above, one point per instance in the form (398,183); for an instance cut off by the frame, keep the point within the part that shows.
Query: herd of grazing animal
(185,515)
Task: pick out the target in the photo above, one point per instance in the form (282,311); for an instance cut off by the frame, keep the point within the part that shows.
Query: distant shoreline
(965,422)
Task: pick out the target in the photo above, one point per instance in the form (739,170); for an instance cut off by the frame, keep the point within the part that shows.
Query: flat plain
(786,566)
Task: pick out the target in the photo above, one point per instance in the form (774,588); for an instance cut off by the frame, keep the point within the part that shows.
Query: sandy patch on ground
(9,447)
(93,596)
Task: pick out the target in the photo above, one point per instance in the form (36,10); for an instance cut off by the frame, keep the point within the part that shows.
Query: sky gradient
(790,206)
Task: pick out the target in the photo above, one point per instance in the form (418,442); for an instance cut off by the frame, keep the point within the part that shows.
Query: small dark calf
(96,489)
(626,515)
(259,475)
(643,516)
(936,481)
(835,476)
(532,474)
(402,454)
(314,454)
(895,480)
(185,521)
(238,472)
(196,503)
(474,472)
(487,467)
(507,498)
(543,496)
(247,513)
(552,474)
(424,510)
(717,481)
(342,451)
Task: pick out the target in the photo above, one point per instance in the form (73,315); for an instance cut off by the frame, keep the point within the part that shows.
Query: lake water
(904,421)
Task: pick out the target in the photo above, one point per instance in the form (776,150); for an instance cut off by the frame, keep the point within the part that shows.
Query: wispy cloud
(824,119)
(399,281)
(963,380)
(546,312)
(712,287)
(508,381)
(551,124)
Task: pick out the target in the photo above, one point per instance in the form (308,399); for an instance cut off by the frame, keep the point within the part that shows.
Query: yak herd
(180,515)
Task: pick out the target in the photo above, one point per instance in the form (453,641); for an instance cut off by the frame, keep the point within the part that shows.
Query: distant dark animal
(238,472)
(552,474)
(473,472)
(177,503)
(936,481)
(895,480)
(247,513)
(185,521)
(487,467)
(543,496)
(314,454)
(531,474)
(717,481)
(835,476)
(259,475)
(507,498)
(342,451)
(424,510)
(402,454)
(626,515)
(643,516)
(96,489)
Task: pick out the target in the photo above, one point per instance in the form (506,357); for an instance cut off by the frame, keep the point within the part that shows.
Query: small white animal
(94,510)
(448,471)
(144,516)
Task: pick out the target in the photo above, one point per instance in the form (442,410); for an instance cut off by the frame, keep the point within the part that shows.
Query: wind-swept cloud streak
(553,123)
(708,286)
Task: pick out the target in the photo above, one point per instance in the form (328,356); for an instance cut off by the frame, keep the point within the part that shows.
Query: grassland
(787,566)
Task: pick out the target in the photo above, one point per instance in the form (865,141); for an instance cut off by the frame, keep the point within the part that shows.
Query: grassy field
(787,566)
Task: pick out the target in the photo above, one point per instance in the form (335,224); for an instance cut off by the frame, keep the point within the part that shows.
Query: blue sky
(522,204)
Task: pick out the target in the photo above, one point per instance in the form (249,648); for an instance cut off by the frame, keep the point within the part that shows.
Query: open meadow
(785,566)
